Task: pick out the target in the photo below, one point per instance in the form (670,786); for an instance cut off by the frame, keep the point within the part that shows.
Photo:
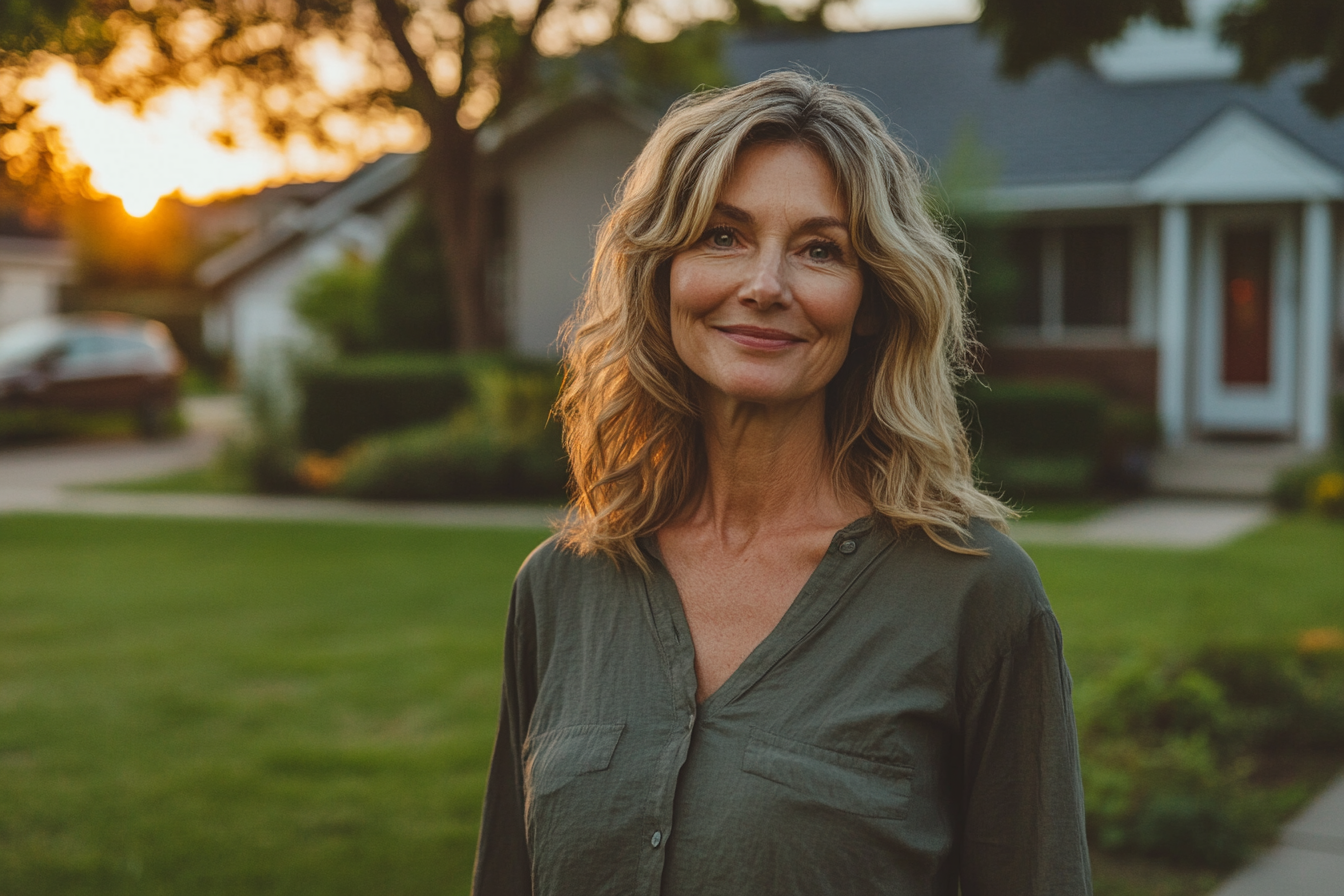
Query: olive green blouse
(905,729)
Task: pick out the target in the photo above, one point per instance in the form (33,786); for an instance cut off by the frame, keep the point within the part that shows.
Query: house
(34,264)
(550,171)
(1176,230)
(252,280)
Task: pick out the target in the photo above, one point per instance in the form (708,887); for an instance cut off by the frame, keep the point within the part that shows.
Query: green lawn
(196,708)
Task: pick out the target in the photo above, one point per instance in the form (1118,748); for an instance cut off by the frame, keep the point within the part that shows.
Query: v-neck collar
(851,550)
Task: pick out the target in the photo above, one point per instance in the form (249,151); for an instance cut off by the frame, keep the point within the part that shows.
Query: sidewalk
(1175,523)
(1308,860)
(275,507)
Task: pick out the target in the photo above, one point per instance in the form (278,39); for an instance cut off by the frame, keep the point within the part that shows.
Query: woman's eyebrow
(821,222)
(734,213)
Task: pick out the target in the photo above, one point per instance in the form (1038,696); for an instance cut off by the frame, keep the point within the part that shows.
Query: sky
(167,148)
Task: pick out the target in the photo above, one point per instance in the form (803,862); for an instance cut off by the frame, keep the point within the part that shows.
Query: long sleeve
(1024,830)
(503,861)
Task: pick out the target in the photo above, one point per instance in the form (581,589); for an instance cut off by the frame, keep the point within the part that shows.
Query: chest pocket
(553,758)
(851,784)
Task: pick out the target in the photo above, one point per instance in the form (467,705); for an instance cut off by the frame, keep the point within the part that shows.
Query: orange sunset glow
(170,147)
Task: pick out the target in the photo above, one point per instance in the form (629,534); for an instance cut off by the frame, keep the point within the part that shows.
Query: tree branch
(514,77)
(422,87)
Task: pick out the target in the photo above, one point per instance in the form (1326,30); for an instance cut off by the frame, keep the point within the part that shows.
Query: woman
(780,646)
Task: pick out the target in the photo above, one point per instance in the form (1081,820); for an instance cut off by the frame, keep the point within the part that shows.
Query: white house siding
(559,190)
(31,274)
(254,318)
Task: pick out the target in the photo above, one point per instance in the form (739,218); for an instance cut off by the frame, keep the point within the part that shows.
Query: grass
(191,707)
(1062,511)
(211,480)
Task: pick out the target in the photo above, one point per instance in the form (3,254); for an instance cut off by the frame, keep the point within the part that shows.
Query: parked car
(92,362)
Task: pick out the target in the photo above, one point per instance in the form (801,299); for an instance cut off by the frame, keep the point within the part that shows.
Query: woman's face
(764,303)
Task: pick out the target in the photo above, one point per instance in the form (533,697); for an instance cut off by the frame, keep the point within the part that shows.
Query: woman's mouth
(759,337)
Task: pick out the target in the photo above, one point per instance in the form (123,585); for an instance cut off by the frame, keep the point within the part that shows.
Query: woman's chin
(764,391)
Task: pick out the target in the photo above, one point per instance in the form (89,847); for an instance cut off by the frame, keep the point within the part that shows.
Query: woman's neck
(769,468)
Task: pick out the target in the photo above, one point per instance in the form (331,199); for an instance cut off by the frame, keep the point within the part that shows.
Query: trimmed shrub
(352,398)
(1041,439)
(501,447)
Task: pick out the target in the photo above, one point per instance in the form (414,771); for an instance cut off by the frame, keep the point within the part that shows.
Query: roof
(363,188)
(1064,124)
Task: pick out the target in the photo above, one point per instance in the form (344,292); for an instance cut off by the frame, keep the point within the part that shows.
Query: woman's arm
(1024,831)
(503,862)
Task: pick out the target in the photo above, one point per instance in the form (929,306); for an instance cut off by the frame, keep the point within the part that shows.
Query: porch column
(1173,312)
(1316,326)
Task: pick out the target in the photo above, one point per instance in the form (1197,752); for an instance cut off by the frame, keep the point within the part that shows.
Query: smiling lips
(759,337)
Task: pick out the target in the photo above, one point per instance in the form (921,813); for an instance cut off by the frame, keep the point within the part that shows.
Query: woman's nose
(766,283)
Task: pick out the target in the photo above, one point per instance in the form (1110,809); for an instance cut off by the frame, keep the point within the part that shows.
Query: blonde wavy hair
(631,422)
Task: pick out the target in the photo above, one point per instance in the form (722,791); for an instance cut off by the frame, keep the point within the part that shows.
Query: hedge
(351,398)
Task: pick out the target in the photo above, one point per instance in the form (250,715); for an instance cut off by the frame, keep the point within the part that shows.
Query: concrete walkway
(276,507)
(1176,523)
(1308,860)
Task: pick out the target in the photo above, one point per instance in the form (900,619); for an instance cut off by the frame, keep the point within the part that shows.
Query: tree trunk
(449,174)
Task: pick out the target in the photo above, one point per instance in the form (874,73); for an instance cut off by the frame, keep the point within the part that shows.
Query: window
(1075,277)
(1096,277)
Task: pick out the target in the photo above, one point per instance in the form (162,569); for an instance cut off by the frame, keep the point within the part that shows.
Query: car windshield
(25,341)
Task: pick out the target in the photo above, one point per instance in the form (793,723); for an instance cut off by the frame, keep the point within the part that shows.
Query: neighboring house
(34,265)
(551,172)
(1177,231)
(252,281)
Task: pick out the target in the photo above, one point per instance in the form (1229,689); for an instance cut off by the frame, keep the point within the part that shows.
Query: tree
(454,62)
(1271,35)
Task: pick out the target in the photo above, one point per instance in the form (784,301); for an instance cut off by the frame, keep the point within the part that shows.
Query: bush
(1168,748)
(401,303)
(265,456)
(338,301)
(352,398)
(1316,485)
(410,294)
(501,447)
(1042,439)
(20,425)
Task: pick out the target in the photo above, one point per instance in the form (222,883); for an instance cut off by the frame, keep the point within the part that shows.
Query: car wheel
(153,418)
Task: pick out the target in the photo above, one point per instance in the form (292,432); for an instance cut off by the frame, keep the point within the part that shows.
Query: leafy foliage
(503,446)
(338,301)
(1169,748)
(410,289)
(397,304)
(1271,34)
(353,398)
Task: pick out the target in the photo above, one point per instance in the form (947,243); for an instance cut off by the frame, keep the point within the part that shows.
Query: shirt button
(656,839)
(848,546)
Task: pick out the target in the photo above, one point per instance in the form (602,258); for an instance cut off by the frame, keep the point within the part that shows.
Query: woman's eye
(721,239)
(822,252)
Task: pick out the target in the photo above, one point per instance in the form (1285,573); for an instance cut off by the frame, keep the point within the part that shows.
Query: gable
(1239,157)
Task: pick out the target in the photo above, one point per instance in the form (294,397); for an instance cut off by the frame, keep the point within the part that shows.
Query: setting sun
(171,146)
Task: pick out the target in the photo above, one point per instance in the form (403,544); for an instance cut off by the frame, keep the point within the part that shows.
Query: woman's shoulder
(990,597)
(556,568)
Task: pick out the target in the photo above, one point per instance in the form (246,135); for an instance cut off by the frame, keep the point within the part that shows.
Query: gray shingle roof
(1065,124)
